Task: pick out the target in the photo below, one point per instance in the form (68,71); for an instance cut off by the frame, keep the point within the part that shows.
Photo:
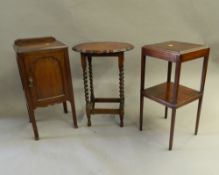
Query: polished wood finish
(45,74)
(174,50)
(104,49)
(169,72)
(163,94)
(172,94)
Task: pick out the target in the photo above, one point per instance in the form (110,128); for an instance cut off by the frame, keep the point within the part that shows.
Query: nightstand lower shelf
(163,94)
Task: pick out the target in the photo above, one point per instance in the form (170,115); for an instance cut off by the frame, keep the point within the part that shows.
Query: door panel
(46,76)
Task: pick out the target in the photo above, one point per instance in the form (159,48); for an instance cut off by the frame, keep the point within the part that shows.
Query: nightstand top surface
(37,44)
(175,47)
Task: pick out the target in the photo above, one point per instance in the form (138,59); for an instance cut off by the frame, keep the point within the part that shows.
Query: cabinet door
(46,76)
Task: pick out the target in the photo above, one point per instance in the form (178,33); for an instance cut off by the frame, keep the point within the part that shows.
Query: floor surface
(107,149)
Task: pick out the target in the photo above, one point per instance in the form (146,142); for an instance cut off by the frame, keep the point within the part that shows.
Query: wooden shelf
(163,94)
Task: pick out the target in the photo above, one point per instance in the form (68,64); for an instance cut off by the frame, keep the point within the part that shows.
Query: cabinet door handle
(30,82)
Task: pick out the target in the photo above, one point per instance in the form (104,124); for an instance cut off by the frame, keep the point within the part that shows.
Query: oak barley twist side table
(172,94)
(99,49)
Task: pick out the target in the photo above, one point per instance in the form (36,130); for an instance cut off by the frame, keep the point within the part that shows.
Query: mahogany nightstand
(45,75)
(172,94)
(102,49)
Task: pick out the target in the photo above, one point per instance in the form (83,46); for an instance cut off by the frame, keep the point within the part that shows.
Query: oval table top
(102,47)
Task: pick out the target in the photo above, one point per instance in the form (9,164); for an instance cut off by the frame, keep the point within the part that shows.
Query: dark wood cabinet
(45,74)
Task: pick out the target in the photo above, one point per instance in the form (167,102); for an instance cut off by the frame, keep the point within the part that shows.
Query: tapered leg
(172,128)
(174,101)
(121,87)
(169,71)
(74,117)
(204,72)
(141,111)
(85,77)
(198,115)
(143,57)
(65,107)
(33,122)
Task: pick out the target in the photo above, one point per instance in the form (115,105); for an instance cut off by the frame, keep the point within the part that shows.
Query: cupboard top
(37,44)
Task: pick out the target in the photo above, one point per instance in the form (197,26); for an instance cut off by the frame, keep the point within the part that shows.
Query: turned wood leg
(91,82)
(121,88)
(33,122)
(65,107)
(85,78)
(143,62)
(172,128)
(204,72)
(88,109)
(169,71)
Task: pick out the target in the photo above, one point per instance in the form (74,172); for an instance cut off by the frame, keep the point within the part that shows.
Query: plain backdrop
(105,148)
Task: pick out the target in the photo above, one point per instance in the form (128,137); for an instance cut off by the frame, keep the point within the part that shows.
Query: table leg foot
(141,113)
(36,138)
(33,122)
(172,129)
(65,107)
(121,120)
(198,115)
(166,112)
(89,122)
